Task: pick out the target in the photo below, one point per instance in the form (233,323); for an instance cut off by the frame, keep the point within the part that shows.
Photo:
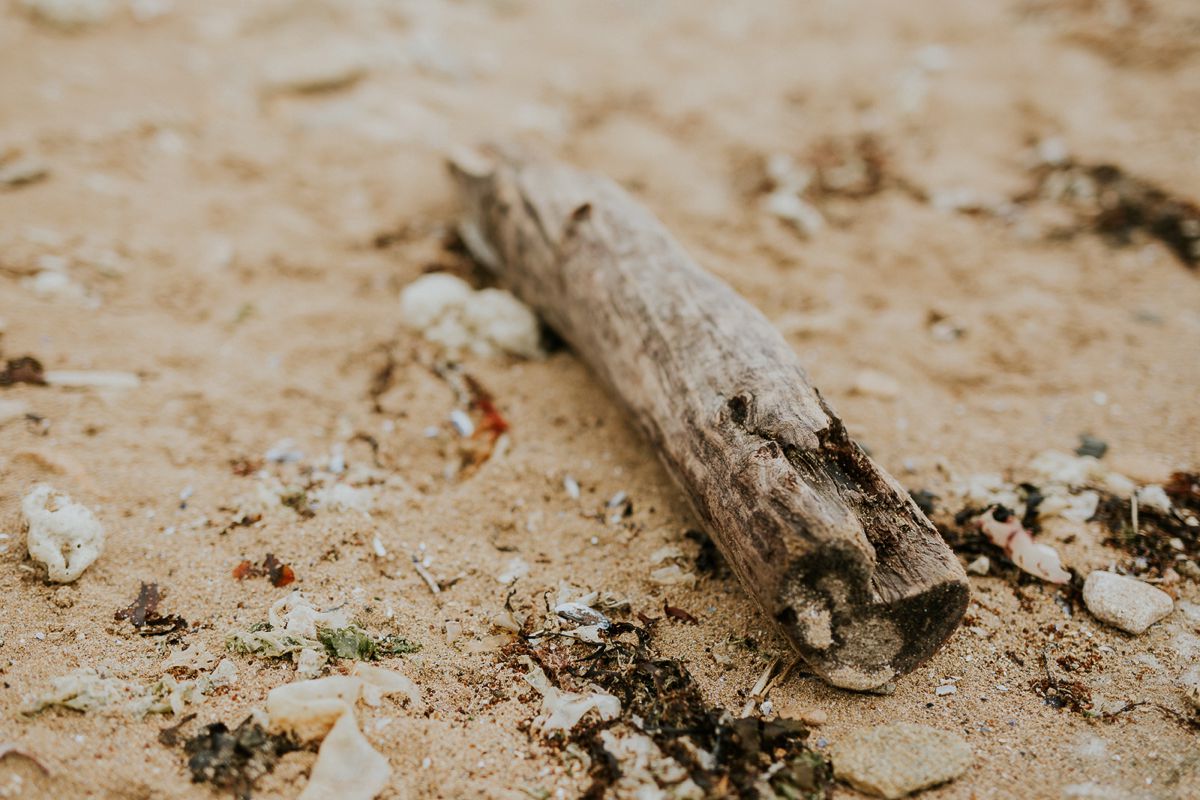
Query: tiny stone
(813,716)
(1123,602)
(895,760)
(1091,446)
(942,691)
(980,566)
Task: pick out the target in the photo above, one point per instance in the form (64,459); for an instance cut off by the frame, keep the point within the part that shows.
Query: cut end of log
(864,643)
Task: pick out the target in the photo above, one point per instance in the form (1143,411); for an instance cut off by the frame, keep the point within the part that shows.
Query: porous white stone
(1124,602)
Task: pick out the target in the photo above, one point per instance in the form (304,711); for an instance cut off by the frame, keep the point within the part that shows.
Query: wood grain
(829,545)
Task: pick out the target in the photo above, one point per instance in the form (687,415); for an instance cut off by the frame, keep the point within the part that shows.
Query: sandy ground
(220,233)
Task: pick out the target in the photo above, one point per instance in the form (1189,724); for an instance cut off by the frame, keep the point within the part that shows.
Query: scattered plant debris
(297,630)
(665,736)
(1061,693)
(481,432)
(235,760)
(143,613)
(276,571)
(348,642)
(298,500)
(245,467)
(1119,206)
(25,369)
(1159,539)
(678,613)
(1149,521)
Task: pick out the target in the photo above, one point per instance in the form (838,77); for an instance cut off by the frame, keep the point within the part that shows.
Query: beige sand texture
(236,193)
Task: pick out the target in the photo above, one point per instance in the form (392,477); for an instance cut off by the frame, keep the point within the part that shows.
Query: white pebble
(462,423)
(1124,602)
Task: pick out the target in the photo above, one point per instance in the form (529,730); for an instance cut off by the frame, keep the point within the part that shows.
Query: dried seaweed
(143,613)
(723,755)
(235,760)
(1162,539)
(1119,206)
(393,644)
(349,642)
(25,369)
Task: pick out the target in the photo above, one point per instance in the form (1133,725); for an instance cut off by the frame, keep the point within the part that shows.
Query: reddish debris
(280,574)
(679,614)
(143,614)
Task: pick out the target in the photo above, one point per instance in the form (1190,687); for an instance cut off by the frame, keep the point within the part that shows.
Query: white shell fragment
(63,535)
(563,710)
(1124,602)
(1037,559)
(347,766)
(582,614)
(448,312)
(294,613)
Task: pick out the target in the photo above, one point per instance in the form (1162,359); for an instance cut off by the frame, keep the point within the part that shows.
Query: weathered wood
(831,547)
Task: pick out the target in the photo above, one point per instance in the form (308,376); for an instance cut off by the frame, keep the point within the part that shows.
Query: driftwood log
(827,543)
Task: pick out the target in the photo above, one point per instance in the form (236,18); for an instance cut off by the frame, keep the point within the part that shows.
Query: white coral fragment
(563,710)
(295,614)
(449,313)
(86,690)
(309,709)
(63,535)
(89,689)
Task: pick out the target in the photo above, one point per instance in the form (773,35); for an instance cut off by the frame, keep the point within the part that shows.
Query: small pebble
(948,688)
(572,487)
(1091,446)
(462,423)
(980,566)
(900,758)
(1123,602)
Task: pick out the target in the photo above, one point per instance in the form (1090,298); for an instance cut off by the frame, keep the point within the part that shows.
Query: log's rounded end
(854,640)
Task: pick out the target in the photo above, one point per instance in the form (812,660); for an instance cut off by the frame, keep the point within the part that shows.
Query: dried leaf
(25,369)
(143,614)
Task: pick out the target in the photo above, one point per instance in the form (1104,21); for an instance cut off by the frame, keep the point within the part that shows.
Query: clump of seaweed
(1119,206)
(1159,538)
(666,736)
(235,759)
(144,616)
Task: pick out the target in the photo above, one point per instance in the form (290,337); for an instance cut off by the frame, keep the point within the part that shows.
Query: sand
(236,192)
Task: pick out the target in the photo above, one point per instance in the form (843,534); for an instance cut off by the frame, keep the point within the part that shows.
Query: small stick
(830,546)
(426,576)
